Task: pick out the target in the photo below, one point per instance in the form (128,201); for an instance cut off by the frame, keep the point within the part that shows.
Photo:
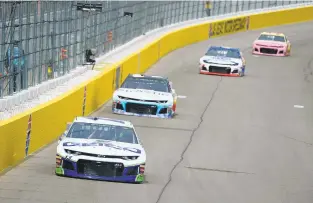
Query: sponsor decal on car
(101,144)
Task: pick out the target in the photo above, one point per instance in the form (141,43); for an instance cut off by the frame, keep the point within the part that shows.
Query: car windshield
(224,52)
(155,84)
(272,38)
(102,132)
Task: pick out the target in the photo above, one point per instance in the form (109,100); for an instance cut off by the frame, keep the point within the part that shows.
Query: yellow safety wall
(228,26)
(148,56)
(129,66)
(288,16)
(99,90)
(12,141)
(49,120)
(47,124)
(186,36)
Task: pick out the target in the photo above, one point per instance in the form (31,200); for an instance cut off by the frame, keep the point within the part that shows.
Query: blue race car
(223,61)
(142,95)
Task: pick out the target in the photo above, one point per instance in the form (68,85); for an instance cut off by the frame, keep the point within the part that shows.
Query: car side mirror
(171,84)
(62,136)
(68,125)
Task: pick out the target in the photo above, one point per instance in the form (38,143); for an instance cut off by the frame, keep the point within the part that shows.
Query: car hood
(221,60)
(143,94)
(270,43)
(102,147)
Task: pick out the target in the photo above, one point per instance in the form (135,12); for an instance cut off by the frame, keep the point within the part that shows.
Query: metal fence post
(237,5)
(144,30)
(41,16)
(2,64)
(27,44)
(11,69)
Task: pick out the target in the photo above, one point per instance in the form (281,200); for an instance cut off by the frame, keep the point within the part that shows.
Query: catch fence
(42,40)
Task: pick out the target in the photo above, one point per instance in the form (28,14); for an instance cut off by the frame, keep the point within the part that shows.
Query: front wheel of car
(242,72)
(288,52)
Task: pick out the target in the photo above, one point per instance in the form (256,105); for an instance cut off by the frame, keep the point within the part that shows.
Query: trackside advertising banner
(229,26)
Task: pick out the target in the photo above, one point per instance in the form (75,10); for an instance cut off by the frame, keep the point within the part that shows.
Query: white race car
(101,149)
(223,61)
(142,95)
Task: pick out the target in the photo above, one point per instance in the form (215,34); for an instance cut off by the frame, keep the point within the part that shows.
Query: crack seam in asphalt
(296,140)
(218,170)
(287,137)
(190,140)
(309,69)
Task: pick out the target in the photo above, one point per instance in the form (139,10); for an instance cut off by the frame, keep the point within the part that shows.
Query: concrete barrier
(26,133)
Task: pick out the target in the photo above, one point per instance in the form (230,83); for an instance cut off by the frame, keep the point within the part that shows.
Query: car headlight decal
(72,152)
(129,157)
(124,98)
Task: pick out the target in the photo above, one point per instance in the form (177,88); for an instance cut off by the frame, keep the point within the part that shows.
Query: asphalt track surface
(234,140)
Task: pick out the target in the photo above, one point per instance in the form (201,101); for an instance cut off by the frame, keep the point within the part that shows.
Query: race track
(234,140)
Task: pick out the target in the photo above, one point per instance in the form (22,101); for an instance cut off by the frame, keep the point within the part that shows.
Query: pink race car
(272,44)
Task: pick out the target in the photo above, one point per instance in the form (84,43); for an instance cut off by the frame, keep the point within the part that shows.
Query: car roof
(147,76)
(103,120)
(224,47)
(273,33)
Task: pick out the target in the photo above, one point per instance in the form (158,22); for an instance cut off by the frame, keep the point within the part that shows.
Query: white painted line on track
(181,97)
(298,106)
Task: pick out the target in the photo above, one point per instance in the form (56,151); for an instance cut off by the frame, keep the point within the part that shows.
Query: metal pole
(66,34)
(55,63)
(11,66)
(34,49)
(2,64)
(60,44)
(27,43)
(21,68)
(41,55)
(144,30)
(74,55)
(82,41)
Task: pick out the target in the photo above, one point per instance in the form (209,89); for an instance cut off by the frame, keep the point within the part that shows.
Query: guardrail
(26,133)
